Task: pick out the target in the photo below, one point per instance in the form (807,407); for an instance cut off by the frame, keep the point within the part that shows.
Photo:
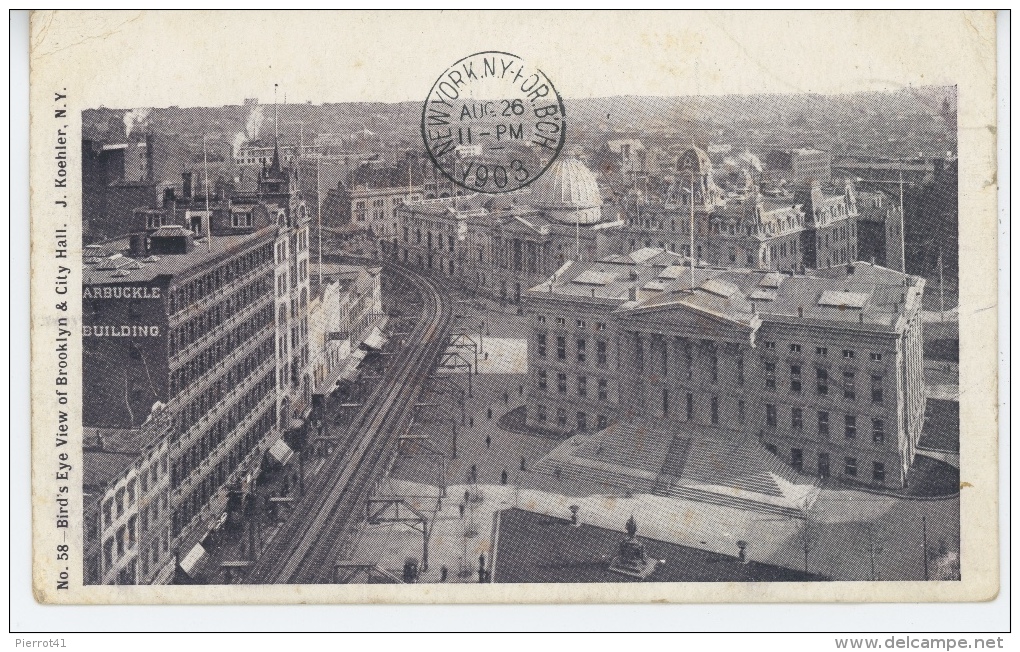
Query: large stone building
(503,245)
(197,360)
(798,167)
(574,352)
(179,382)
(824,368)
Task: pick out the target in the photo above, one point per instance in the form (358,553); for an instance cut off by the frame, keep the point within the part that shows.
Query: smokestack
(186,184)
(138,245)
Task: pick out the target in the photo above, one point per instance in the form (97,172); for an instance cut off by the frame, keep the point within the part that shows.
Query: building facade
(809,227)
(503,245)
(165,316)
(824,368)
(798,167)
(574,345)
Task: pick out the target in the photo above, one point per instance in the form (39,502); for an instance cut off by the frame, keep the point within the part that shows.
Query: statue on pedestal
(631,558)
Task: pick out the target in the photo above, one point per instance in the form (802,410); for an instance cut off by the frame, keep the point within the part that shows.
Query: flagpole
(318,208)
(692,231)
(208,215)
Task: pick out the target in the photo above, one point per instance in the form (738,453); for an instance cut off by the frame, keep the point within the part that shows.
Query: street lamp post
(454,439)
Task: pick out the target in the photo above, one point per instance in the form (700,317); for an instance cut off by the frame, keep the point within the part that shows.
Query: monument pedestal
(631,559)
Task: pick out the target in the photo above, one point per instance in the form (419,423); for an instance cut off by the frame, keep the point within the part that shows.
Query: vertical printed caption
(61,333)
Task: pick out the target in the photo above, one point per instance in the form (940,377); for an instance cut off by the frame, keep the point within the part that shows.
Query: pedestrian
(488,441)
(506,397)
(467,495)
(524,466)
(461,510)
(502,476)
(443,573)
(488,413)
(472,422)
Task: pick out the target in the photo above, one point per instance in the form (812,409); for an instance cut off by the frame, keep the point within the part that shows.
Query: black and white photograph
(509,331)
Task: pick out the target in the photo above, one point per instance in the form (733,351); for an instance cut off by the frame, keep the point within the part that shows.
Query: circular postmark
(492,123)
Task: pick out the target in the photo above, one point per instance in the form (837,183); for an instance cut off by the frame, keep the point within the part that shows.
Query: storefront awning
(190,561)
(281,452)
(375,339)
(347,370)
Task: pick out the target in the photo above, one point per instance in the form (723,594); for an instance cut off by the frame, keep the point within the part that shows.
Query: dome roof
(694,159)
(567,185)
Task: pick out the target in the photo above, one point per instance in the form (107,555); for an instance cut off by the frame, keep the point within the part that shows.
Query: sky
(152,58)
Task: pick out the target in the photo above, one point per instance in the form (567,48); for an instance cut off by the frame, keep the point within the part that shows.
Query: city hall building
(823,368)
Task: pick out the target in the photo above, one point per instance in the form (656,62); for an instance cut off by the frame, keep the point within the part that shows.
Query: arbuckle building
(824,368)
(179,382)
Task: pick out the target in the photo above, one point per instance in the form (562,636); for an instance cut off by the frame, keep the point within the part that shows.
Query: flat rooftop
(110,262)
(531,547)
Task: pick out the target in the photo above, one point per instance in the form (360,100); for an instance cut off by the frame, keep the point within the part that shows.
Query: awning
(346,370)
(280,451)
(190,561)
(375,339)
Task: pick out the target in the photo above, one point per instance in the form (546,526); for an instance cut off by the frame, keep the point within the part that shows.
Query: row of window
(851,467)
(581,384)
(195,369)
(207,321)
(185,295)
(203,446)
(821,351)
(580,422)
(580,324)
(199,496)
(850,423)
(580,350)
(848,386)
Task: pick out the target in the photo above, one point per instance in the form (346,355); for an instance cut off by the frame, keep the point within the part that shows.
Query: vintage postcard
(513,307)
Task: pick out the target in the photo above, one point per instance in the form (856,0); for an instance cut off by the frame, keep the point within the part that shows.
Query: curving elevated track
(320,530)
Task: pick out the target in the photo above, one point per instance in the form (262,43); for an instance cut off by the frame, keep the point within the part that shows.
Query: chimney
(633,275)
(139,245)
(186,184)
(168,197)
(632,293)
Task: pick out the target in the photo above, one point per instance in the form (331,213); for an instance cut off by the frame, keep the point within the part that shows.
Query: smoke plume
(132,118)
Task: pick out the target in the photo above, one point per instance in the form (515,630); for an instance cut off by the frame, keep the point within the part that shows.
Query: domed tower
(695,166)
(568,193)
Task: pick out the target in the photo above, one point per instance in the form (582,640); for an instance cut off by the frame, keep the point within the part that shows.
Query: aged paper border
(136,59)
